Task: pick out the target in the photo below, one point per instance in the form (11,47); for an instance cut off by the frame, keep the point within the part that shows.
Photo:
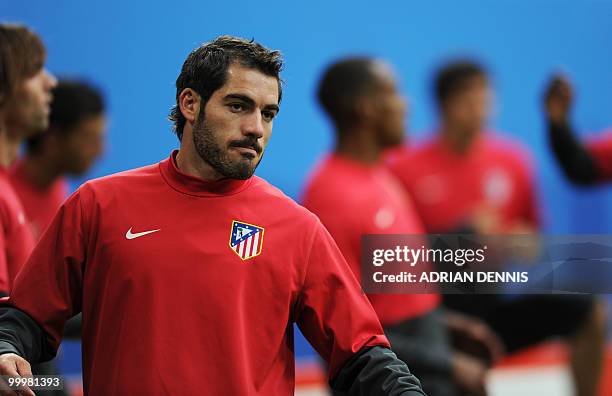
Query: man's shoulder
(126,177)
(276,201)
(8,198)
(326,179)
(124,182)
(335,190)
(503,143)
(267,191)
(407,163)
(420,150)
(9,193)
(502,148)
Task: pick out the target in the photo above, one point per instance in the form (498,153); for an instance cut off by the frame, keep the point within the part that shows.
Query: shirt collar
(192,185)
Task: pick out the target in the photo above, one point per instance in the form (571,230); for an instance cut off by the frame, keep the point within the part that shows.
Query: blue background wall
(134,50)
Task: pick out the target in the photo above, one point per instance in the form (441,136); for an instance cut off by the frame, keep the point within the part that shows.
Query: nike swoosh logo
(130,235)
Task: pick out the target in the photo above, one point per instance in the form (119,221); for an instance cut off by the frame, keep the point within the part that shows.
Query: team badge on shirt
(246,240)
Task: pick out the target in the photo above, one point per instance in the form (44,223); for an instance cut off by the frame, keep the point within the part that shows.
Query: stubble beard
(217,157)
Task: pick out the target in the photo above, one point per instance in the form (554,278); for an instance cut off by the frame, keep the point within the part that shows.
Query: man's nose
(253,125)
(50,80)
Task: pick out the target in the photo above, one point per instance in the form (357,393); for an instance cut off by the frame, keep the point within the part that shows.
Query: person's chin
(243,172)
(35,130)
(249,164)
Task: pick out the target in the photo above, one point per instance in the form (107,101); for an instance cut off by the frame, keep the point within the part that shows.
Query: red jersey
(353,199)
(173,305)
(448,187)
(16,241)
(601,150)
(40,204)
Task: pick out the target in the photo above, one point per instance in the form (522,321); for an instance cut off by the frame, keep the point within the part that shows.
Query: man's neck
(358,144)
(40,171)
(9,147)
(453,139)
(190,163)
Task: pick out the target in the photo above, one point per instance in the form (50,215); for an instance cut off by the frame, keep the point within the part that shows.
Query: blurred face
(389,107)
(232,131)
(27,111)
(466,112)
(81,147)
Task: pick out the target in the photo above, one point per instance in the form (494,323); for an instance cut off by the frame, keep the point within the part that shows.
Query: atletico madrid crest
(246,240)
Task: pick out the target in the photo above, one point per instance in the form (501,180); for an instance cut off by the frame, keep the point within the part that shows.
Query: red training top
(16,241)
(447,187)
(40,204)
(173,305)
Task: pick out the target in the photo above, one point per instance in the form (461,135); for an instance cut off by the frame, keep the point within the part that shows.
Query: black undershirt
(576,162)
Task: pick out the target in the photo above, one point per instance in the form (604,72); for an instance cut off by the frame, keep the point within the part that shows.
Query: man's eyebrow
(272,107)
(251,102)
(241,97)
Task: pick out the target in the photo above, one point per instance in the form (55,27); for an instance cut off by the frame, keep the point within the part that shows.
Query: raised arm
(577,163)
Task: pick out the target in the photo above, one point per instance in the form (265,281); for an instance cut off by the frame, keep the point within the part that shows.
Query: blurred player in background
(191,272)
(25,98)
(354,194)
(583,163)
(468,180)
(70,146)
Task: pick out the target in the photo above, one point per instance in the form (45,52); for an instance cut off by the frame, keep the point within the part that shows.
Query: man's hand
(558,99)
(470,374)
(15,366)
(473,336)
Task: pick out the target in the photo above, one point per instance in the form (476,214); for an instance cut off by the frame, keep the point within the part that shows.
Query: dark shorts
(523,321)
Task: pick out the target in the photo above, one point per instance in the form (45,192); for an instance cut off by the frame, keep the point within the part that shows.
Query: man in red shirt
(583,164)
(25,95)
(191,272)
(71,144)
(354,195)
(466,180)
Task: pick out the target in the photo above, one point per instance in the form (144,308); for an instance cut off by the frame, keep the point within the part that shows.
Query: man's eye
(268,115)
(236,107)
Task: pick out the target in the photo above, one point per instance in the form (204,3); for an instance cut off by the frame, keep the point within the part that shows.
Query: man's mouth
(246,151)
(249,149)
(48,103)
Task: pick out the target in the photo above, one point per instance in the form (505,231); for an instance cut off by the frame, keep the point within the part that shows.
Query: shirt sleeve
(336,317)
(333,313)
(575,160)
(48,289)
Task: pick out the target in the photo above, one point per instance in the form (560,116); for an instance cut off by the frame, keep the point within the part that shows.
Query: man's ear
(364,109)
(189,103)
